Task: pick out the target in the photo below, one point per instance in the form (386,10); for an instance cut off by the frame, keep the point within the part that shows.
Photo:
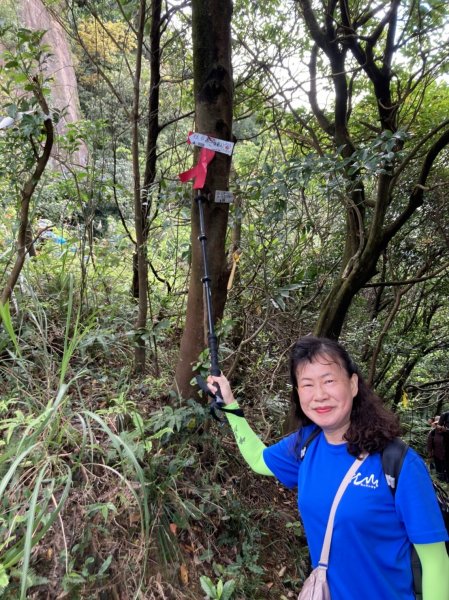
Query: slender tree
(148,19)
(28,61)
(213,88)
(139,211)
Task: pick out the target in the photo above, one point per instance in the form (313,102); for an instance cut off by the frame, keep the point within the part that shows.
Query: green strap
(435,570)
(250,446)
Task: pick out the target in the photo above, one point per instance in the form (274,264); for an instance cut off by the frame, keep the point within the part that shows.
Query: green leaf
(105,566)
(228,589)
(208,586)
(4,580)
(12,109)
(31,526)
(5,317)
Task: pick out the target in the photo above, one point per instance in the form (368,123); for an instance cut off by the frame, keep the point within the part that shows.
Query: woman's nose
(320,392)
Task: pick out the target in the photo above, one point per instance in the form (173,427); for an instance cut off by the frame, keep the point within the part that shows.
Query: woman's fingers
(223,385)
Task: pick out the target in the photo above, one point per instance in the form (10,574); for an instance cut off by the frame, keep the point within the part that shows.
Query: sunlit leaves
(105,40)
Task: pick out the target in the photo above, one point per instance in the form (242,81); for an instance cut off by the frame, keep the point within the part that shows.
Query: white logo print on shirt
(369,482)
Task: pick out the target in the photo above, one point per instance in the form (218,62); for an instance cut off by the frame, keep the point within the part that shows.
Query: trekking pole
(209,146)
(217,404)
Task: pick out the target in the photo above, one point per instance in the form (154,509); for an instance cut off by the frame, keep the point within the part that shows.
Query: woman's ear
(354,384)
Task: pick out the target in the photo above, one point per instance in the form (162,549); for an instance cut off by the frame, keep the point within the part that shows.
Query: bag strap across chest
(324,558)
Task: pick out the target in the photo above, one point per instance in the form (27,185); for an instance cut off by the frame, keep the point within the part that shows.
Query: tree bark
(140,262)
(213,86)
(139,221)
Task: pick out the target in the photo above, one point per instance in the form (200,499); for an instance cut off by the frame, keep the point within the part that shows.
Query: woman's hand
(225,388)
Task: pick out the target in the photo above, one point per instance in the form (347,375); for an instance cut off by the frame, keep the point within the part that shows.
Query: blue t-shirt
(373,531)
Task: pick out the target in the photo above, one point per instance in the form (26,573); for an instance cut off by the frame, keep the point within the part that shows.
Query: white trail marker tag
(211,143)
(222,197)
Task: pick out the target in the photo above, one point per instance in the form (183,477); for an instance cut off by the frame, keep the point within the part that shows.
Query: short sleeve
(283,458)
(416,502)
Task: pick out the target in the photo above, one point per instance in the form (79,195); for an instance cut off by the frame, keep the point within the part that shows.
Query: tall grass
(50,439)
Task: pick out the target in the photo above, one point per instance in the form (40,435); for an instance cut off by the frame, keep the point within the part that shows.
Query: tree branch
(407,281)
(417,196)
(28,191)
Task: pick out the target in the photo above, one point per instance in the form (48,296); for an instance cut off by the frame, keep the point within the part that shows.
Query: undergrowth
(108,489)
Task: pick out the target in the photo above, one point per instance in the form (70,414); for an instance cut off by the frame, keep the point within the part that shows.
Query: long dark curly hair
(372,425)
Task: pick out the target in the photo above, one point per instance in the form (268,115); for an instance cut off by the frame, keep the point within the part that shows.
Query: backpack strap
(315,433)
(392,459)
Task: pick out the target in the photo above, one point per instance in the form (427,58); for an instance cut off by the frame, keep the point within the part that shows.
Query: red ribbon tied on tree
(199,171)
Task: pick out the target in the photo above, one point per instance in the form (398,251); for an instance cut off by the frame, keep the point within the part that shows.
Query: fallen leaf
(134,518)
(183,575)
(173,528)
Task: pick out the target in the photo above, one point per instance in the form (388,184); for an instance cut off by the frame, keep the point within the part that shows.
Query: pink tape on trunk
(199,171)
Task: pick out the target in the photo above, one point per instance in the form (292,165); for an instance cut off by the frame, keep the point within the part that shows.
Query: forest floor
(255,538)
(210,516)
(176,513)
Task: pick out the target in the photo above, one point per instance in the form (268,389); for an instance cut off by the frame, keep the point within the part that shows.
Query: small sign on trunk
(222,197)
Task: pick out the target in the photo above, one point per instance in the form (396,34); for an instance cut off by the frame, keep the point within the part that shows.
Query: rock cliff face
(34,15)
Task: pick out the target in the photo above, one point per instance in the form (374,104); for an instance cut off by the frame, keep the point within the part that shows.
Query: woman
(373,530)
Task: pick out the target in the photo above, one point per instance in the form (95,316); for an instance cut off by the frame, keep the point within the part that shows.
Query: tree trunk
(139,222)
(213,85)
(140,261)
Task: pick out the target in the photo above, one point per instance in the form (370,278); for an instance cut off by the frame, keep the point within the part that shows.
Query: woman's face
(326,393)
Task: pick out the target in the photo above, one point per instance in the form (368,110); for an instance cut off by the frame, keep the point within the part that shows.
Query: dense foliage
(111,484)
